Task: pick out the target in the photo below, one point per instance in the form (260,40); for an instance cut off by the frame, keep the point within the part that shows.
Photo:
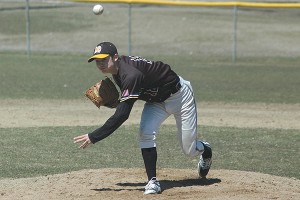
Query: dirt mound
(129,184)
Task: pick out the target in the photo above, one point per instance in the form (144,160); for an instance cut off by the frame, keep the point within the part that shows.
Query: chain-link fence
(139,29)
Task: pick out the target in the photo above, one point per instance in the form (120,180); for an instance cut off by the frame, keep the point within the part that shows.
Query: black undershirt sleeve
(115,121)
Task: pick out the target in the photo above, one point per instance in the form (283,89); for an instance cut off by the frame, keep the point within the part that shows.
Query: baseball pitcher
(164,92)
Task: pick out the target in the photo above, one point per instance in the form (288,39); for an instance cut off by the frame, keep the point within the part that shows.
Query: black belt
(176,88)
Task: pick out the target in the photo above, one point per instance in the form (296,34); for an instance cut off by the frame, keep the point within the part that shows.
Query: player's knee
(147,135)
(147,138)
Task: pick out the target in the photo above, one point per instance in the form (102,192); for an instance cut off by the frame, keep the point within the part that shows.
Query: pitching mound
(129,184)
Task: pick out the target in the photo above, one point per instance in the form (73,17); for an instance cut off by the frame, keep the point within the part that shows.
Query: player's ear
(115,57)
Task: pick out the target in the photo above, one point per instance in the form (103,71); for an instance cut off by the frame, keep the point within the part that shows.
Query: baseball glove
(103,93)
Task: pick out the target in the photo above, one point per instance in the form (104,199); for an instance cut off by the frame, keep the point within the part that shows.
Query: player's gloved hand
(103,93)
(84,139)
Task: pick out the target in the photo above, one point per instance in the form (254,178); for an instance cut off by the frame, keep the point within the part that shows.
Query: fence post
(129,29)
(234,50)
(28,28)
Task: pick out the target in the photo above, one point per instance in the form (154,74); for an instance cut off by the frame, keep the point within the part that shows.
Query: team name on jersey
(138,58)
(151,92)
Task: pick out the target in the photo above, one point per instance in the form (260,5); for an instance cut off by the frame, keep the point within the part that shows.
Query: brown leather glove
(103,93)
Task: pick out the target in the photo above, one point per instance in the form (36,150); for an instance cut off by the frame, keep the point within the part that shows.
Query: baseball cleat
(153,187)
(205,160)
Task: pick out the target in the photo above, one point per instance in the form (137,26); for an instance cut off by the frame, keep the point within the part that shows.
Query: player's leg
(186,122)
(152,117)
(183,106)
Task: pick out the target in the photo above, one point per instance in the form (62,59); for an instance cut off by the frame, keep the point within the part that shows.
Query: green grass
(27,152)
(63,21)
(66,76)
(44,76)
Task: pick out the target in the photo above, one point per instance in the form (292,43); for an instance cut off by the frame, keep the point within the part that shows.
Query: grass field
(30,152)
(267,71)
(67,76)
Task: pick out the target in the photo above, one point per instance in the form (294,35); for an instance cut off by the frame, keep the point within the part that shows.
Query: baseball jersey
(151,81)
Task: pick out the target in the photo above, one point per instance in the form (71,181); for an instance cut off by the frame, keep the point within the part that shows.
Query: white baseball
(98,9)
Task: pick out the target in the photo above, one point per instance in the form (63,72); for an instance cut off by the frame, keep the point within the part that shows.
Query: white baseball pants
(182,105)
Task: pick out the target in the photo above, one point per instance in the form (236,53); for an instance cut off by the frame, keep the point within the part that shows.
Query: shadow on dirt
(169,184)
(165,184)
(117,189)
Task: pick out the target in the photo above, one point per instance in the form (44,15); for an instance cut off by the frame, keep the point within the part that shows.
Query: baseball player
(165,93)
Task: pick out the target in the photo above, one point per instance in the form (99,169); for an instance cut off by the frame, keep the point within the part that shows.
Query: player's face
(105,65)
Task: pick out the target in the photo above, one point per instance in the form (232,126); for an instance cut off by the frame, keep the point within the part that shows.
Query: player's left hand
(84,139)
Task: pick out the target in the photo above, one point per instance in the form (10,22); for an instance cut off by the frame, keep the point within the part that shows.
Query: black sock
(150,158)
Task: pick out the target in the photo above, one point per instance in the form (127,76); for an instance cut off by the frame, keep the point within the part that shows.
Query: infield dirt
(37,113)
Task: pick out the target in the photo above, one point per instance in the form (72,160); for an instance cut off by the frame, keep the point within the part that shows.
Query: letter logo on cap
(97,50)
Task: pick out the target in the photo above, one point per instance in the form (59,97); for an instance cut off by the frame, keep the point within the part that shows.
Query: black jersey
(141,79)
(145,80)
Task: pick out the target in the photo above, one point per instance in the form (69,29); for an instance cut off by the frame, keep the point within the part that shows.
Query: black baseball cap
(103,50)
